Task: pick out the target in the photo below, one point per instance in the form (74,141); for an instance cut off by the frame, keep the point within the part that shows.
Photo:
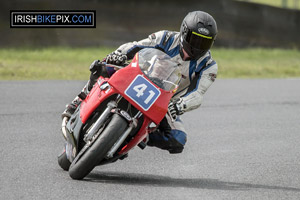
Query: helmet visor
(199,41)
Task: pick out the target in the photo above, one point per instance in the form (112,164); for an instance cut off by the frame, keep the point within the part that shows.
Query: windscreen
(159,68)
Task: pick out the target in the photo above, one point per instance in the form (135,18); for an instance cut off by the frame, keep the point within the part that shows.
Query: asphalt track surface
(243,143)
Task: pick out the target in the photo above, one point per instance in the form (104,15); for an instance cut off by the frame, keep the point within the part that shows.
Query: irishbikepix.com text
(54,19)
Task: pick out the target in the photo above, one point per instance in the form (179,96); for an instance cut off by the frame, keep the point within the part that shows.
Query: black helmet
(197,34)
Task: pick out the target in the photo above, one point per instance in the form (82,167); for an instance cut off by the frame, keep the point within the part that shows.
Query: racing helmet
(198,32)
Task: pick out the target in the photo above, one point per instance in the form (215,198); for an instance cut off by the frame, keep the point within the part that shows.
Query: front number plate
(142,92)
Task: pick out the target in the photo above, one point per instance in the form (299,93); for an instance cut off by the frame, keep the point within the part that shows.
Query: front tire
(90,156)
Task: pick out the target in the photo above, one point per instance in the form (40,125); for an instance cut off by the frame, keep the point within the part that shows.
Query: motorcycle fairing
(75,125)
(94,99)
(121,81)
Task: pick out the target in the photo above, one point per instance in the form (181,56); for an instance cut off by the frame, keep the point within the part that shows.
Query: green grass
(59,63)
(278,3)
(257,63)
(48,63)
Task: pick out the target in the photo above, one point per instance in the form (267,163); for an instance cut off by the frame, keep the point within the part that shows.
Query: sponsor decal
(133,64)
(213,76)
(203,31)
(126,115)
(153,36)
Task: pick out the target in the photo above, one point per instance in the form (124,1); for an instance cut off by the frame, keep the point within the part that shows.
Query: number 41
(140,92)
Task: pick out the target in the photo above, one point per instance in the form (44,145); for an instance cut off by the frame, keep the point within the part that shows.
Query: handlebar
(115,66)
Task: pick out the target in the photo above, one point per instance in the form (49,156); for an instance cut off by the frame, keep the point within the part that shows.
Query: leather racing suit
(197,76)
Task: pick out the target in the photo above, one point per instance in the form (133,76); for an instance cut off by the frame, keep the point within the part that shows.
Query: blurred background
(248,23)
(256,39)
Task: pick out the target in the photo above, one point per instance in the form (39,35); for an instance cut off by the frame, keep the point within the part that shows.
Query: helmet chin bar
(182,54)
(184,46)
(188,49)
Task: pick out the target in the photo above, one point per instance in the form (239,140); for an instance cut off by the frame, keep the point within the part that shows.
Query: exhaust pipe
(63,127)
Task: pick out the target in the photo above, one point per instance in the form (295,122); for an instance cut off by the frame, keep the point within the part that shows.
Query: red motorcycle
(119,112)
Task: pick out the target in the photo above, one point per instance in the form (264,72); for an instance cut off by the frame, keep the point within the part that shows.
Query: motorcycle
(119,112)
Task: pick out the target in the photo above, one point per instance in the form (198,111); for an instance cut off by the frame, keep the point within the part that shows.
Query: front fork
(132,124)
(104,116)
(100,121)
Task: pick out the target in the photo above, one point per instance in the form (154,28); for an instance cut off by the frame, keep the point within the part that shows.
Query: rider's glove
(176,108)
(96,71)
(116,58)
(96,66)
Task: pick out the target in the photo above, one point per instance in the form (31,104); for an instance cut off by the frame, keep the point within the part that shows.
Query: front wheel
(90,156)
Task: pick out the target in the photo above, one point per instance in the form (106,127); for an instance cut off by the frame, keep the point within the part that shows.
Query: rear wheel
(63,161)
(91,155)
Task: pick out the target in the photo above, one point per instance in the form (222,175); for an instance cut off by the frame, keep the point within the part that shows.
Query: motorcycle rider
(190,48)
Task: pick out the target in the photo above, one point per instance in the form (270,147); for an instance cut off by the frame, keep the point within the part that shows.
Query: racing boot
(70,108)
(167,139)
